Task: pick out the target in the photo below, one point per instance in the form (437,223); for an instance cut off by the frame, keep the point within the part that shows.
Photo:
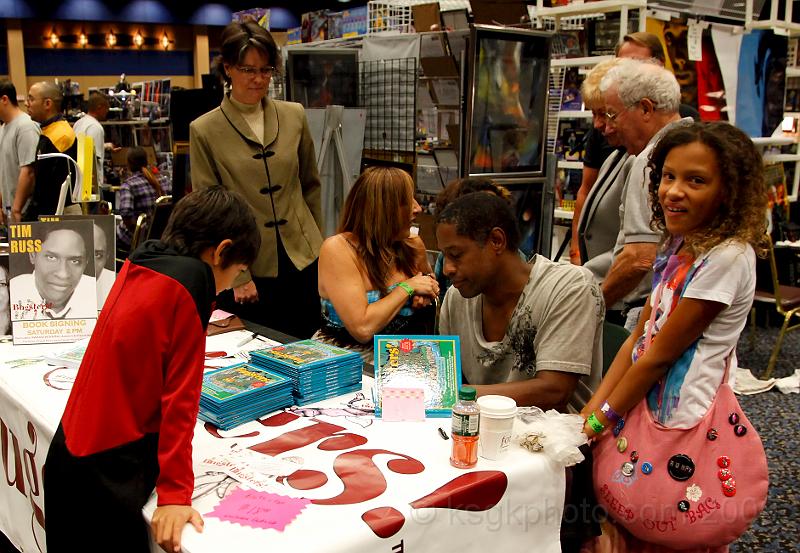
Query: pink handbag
(683,488)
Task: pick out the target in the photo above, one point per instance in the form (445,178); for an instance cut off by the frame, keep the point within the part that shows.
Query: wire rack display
(395,15)
(388,92)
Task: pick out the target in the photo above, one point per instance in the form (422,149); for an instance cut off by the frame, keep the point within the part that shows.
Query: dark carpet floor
(775,416)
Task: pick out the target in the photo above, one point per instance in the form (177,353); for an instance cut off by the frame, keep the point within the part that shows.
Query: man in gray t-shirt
(18,142)
(529,331)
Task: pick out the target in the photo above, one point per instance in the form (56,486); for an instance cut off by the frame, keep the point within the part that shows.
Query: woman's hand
(589,431)
(246,293)
(424,285)
(418,302)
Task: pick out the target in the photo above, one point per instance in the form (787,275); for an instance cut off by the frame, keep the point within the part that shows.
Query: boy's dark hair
(205,218)
(7,88)
(475,215)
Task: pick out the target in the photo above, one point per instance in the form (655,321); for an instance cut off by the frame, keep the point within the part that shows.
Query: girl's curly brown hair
(742,214)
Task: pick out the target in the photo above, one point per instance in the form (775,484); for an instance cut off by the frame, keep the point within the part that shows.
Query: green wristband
(596,425)
(407,287)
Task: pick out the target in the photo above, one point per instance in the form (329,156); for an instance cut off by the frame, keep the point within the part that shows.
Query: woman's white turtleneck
(253,114)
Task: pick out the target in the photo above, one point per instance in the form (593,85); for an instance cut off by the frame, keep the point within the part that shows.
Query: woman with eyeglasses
(262,148)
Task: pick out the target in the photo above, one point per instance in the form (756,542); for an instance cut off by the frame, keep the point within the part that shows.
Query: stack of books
(318,371)
(241,393)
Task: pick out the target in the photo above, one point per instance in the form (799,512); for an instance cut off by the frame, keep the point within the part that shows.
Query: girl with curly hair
(708,198)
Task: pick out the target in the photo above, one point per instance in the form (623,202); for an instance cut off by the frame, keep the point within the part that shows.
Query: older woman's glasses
(251,71)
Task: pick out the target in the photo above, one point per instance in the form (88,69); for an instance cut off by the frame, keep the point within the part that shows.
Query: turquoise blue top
(331,317)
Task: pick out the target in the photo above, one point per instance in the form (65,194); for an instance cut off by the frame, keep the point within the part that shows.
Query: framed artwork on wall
(506,122)
(320,77)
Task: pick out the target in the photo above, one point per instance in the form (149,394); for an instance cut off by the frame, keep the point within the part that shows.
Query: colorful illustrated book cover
(304,354)
(432,363)
(238,381)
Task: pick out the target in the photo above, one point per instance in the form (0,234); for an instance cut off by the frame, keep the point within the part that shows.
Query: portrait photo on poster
(52,271)
(105,246)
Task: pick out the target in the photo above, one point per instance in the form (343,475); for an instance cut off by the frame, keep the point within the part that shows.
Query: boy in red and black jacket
(130,417)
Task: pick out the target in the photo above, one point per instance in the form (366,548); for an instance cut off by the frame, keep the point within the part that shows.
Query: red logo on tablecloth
(362,480)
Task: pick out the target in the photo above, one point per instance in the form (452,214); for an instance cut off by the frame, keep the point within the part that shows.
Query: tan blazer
(222,147)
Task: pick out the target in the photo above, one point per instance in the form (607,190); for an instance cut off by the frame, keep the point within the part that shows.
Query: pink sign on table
(258,509)
(402,404)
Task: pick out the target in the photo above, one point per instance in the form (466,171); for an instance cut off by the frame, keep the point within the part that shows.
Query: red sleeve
(183,376)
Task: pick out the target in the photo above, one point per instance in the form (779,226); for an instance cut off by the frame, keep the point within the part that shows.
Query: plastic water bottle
(466,422)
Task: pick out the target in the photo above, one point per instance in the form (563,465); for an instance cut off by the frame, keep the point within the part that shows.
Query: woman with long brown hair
(138,194)
(374,277)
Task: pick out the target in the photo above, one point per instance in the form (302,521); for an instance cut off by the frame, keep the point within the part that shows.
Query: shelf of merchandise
(587,8)
(550,18)
(780,26)
(764,142)
(573,16)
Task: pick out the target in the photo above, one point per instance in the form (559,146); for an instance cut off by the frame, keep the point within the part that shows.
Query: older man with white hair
(641,104)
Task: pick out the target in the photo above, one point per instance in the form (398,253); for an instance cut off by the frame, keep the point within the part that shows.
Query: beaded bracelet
(596,425)
(407,287)
(612,416)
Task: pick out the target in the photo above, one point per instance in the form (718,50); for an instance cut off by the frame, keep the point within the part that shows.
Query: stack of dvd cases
(318,370)
(241,393)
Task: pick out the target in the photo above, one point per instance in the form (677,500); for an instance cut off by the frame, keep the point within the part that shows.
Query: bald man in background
(44,107)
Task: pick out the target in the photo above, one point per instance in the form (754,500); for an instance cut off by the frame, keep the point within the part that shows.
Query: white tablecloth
(352,465)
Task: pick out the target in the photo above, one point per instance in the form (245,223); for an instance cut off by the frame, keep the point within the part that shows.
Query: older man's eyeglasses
(251,71)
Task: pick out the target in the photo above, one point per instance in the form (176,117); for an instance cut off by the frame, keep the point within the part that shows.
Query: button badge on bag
(622,444)
(711,435)
(740,430)
(634,456)
(618,427)
(724,474)
(627,468)
(729,487)
(694,493)
(680,467)
(647,468)
(724,462)
(683,506)
(733,418)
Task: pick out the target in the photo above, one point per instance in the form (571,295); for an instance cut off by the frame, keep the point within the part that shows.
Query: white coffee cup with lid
(497,425)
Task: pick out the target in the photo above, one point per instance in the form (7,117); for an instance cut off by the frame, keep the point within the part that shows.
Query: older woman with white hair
(602,163)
